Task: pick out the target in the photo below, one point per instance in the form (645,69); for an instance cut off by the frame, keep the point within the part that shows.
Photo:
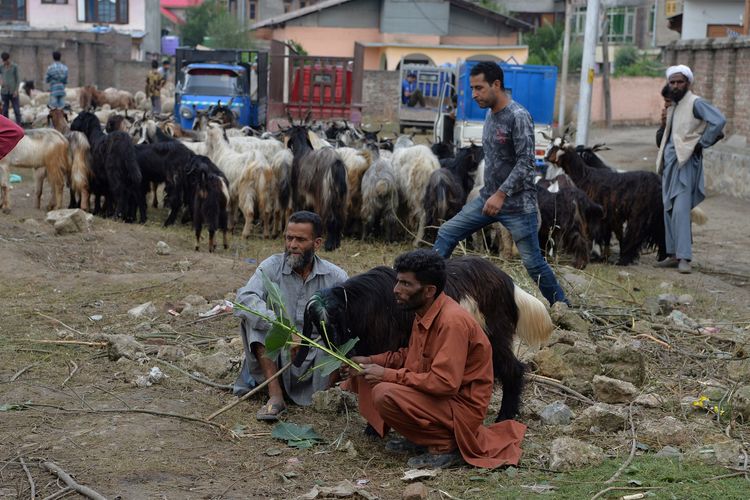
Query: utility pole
(587,71)
(565,57)
(605,72)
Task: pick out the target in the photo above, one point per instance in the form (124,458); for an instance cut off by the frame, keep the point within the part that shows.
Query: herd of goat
(359,183)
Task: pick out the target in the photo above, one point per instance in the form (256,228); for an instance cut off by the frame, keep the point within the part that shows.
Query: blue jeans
(9,100)
(523,228)
(57,101)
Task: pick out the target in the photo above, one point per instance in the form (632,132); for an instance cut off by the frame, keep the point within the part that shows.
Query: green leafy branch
(282,333)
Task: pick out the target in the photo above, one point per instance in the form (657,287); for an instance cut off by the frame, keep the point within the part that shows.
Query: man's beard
(677,94)
(414,302)
(300,262)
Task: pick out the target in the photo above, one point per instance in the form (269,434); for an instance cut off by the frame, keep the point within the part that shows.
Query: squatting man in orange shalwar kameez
(436,391)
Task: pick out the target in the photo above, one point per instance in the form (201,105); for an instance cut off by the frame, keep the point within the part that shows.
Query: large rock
(550,363)
(170,353)
(667,431)
(739,370)
(556,413)
(162,248)
(625,362)
(415,491)
(146,309)
(124,346)
(334,400)
(569,454)
(612,390)
(727,453)
(566,318)
(214,366)
(70,220)
(602,417)
(194,300)
(574,364)
(741,402)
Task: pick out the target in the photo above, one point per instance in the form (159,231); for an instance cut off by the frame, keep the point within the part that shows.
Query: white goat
(414,166)
(356,163)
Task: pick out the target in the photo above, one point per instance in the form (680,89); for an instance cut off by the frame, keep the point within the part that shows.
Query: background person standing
(56,77)
(9,90)
(154,83)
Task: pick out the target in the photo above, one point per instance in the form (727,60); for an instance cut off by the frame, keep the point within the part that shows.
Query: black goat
(209,201)
(318,183)
(443,150)
(364,307)
(115,168)
(632,203)
(569,221)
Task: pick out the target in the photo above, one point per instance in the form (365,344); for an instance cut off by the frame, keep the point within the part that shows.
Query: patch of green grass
(663,477)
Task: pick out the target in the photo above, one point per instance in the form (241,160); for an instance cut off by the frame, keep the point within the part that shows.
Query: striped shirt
(57,77)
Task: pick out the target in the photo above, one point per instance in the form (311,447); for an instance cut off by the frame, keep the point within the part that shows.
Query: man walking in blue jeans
(509,194)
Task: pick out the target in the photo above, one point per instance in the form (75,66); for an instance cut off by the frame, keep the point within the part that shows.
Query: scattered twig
(556,383)
(626,463)
(625,488)
(148,287)
(651,337)
(249,394)
(28,476)
(66,342)
(82,490)
(59,493)
(114,396)
(58,321)
(132,410)
(202,380)
(21,372)
(71,372)
(451,497)
(200,320)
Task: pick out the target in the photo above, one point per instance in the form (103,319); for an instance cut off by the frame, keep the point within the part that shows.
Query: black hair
(165,61)
(56,56)
(427,265)
(154,64)
(666,92)
(491,72)
(5,56)
(305,217)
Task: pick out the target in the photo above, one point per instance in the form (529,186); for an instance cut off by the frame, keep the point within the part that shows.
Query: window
(252,10)
(58,2)
(107,11)
(12,10)
(621,24)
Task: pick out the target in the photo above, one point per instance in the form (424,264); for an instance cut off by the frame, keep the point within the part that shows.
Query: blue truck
(234,78)
(531,86)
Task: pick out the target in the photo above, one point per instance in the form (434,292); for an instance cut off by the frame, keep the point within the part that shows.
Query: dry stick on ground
(195,377)
(133,410)
(82,490)
(66,342)
(246,396)
(59,493)
(556,383)
(28,476)
(626,488)
(21,372)
(58,321)
(71,372)
(626,463)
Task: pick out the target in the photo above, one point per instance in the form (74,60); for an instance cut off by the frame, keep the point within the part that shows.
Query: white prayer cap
(680,68)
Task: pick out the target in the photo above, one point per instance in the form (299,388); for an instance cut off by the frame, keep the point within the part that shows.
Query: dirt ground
(78,407)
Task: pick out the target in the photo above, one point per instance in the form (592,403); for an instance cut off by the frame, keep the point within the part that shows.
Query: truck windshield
(207,81)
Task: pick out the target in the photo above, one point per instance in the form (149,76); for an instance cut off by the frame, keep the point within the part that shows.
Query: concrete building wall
(380,96)
(698,14)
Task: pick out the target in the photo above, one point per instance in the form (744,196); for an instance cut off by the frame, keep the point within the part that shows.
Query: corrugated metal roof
(278,20)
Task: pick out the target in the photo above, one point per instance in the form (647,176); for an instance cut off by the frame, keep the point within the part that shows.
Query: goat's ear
(546,136)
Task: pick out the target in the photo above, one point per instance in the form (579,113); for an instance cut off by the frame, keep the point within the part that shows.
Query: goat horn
(307,117)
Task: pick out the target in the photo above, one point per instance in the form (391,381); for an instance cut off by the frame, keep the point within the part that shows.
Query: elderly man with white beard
(299,273)
(692,125)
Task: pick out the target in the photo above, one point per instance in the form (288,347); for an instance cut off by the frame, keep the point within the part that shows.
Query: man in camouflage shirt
(154,82)
(509,194)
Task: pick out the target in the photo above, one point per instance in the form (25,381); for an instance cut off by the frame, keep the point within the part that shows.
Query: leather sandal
(436,460)
(270,411)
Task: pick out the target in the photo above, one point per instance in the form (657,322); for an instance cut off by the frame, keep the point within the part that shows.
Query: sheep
(413,166)
(209,201)
(380,200)
(118,99)
(318,182)
(632,203)
(364,307)
(46,148)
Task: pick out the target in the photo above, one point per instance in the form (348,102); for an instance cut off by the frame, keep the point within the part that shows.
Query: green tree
(629,61)
(197,20)
(546,47)
(225,32)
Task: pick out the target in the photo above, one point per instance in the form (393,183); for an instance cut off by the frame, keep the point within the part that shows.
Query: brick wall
(380,95)
(101,59)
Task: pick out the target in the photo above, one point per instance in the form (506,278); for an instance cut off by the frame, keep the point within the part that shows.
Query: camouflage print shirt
(508,143)
(154,83)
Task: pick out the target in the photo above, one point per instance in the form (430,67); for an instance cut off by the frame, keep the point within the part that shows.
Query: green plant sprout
(284,335)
